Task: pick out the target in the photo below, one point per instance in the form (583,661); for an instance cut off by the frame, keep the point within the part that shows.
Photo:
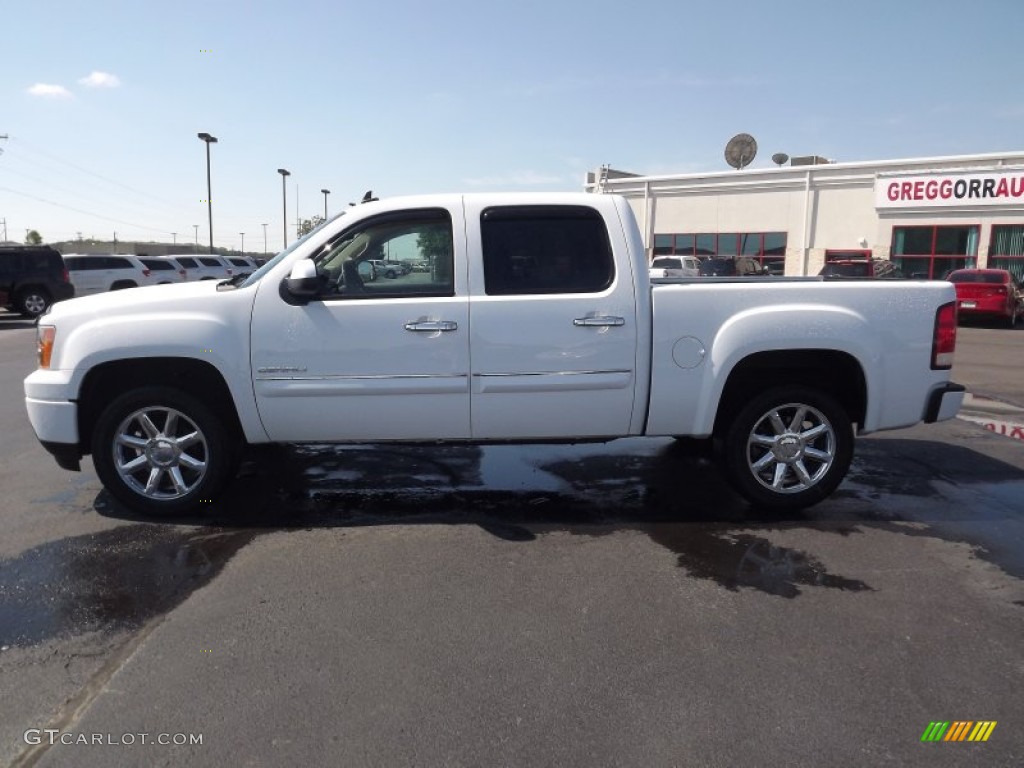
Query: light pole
(242,252)
(196,228)
(264,239)
(174,236)
(326,193)
(209,201)
(284,204)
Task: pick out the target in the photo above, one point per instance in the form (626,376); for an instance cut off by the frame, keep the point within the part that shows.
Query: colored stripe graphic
(982,730)
(958,730)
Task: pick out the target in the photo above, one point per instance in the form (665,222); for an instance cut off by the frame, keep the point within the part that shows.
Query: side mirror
(302,284)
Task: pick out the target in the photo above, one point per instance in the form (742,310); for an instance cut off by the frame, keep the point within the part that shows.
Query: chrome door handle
(600,321)
(432,326)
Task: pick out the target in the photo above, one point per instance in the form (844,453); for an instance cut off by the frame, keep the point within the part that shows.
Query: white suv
(91,273)
(675,266)
(202,266)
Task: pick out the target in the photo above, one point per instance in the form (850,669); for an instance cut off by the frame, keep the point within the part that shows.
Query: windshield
(256,276)
(977,277)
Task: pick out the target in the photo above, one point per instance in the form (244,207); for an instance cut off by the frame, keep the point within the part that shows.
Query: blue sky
(102,101)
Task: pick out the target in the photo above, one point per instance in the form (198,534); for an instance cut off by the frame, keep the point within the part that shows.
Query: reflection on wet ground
(122,577)
(114,580)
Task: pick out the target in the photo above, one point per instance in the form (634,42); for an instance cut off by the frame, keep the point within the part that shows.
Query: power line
(79,210)
(33,148)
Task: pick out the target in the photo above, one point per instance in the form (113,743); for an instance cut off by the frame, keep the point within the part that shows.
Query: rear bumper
(944,402)
(984,306)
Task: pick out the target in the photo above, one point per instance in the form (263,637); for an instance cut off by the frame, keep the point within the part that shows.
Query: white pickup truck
(528,318)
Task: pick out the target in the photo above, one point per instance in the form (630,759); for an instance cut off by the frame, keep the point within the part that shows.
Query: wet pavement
(119,578)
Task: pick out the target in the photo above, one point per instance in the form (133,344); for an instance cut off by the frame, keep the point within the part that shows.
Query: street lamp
(284,204)
(173,235)
(264,239)
(242,252)
(209,201)
(326,193)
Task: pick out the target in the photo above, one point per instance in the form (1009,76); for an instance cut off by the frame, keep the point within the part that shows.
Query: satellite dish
(780,158)
(740,150)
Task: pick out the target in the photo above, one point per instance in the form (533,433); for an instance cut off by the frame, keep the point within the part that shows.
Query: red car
(992,293)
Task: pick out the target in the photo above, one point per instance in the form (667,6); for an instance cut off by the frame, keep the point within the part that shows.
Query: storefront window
(1007,249)
(933,252)
(769,248)
(662,245)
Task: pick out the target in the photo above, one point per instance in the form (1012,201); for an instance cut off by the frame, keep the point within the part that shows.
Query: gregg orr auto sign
(951,190)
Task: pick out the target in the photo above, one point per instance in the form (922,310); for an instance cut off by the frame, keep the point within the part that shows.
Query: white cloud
(47,91)
(515,179)
(100,80)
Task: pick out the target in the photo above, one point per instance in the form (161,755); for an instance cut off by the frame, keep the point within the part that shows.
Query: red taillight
(183,275)
(145,273)
(944,338)
(67,275)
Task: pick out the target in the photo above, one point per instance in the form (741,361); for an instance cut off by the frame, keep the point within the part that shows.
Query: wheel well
(835,373)
(23,289)
(122,284)
(109,380)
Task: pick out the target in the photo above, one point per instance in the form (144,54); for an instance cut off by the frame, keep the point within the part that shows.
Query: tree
(435,245)
(307,225)
(33,238)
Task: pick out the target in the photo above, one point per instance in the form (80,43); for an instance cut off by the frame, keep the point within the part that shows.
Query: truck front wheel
(160,451)
(788,447)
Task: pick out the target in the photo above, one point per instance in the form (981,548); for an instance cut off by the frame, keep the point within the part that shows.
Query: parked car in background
(201,266)
(33,277)
(390,269)
(164,271)
(876,268)
(95,273)
(241,264)
(988,293)
(674,266)
(740,266)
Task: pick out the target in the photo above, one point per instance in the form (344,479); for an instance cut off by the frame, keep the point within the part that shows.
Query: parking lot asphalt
(606,604)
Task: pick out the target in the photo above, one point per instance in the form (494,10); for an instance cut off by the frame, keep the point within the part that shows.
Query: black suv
(32,277)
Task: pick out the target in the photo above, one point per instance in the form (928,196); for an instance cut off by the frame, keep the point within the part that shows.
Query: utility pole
(264,239)
(174,235)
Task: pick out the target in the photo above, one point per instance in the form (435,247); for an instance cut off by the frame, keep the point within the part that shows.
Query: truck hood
(161,298)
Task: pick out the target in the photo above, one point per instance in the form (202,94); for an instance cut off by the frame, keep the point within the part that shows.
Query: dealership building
(927,215)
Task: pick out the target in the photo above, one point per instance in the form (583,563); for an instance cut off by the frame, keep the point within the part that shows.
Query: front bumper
(944,402)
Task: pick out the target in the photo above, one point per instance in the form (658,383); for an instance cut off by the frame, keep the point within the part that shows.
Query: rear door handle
(432,326)
(599,321)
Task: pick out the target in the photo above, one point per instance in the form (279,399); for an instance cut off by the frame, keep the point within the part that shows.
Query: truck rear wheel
(788,448)
(160,451)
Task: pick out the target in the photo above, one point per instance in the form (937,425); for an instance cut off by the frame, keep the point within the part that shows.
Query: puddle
(114,580)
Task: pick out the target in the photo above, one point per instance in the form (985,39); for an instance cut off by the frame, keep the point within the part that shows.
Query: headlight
(45,334)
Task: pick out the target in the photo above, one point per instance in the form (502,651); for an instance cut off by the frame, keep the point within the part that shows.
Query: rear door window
(545,249)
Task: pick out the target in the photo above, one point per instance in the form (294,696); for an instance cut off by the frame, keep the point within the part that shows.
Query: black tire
(32,301)
(391,274)
(179,463)
(765,456)
(122,285)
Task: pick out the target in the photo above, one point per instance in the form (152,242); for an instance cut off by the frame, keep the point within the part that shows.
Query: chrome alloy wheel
(160,453)
(791,448)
